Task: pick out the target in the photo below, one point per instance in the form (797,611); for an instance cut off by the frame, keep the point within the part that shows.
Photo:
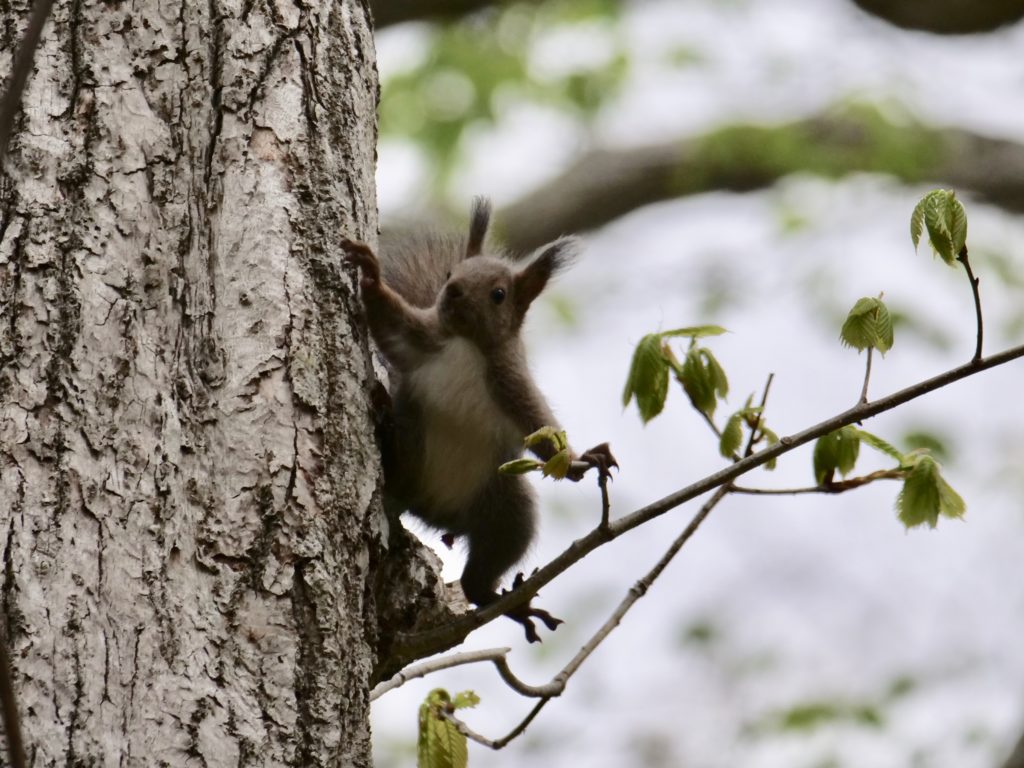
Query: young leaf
(835,451)
(703,380)
(555,437)
(869,324)
(771,438)
(926,495)
(879,444)
(732,435)
(439,745)
(944,218)
(695,331)
(520,466)
(465,700)
(648,378)
(558,465)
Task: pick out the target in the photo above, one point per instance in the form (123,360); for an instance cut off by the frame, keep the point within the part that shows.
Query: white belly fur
(465,433)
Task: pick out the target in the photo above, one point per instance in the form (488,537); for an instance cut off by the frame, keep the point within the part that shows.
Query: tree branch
(408,647)
(606,184)
(937,16)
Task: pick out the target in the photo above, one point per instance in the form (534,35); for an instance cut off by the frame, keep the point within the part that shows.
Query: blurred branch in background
(945,17)
(605,184)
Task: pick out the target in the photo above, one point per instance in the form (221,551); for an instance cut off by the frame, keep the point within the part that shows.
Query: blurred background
(751,163)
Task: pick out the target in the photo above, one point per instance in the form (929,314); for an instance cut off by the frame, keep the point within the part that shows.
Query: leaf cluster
(557,466)
(700,374)
(925,495)
(868,326)
(475,63)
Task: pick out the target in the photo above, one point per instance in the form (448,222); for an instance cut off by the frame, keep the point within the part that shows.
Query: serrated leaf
(698,383)
(718,378)
(926,495)
(647,380)
(558,465)
(695,331)
(874,441)
(946,223)
(917,223)
(520,466)
(732,435)
(868,325)
(550,435)
(835,451)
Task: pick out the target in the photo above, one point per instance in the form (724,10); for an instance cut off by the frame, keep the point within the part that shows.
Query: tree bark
(189,520)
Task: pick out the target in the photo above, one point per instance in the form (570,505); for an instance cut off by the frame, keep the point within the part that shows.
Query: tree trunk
(188,511)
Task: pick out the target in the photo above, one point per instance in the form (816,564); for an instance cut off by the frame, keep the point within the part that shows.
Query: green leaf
(869,325)
(945,220)
(732,435)
(648,378)
(558,465)
(835,451)
(917,223)
(926,495)
(695,331)
(520,466)
(439,745)
(879,444)
(771,438)
(554,437)
(465,700)
(703,380)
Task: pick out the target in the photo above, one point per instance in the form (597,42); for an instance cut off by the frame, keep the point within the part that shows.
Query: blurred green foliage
(476,66)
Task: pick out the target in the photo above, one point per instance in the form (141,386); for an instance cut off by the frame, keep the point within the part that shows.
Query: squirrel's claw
(525,614)
(362,256)
(599,456)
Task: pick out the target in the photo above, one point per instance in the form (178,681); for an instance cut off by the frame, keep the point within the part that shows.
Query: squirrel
(446,317)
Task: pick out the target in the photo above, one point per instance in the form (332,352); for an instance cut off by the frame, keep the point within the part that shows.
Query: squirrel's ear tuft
(479,220)
(550,260)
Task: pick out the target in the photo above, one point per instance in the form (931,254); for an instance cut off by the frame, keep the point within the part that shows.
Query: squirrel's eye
(498,295)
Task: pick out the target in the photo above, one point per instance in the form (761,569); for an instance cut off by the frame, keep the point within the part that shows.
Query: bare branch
(469,733)
(436,665)
(834,487)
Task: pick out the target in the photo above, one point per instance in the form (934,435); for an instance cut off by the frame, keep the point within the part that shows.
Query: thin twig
(469,733)
(962,258)
(19,72)
(834,487)
(867,378)
(752,440)
(435,665)
(420,644)
(9,107)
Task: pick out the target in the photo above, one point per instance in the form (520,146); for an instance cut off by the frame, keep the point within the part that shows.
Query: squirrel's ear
(479,219)
(550,259)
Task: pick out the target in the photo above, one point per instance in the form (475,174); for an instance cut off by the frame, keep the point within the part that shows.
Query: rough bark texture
(187,509)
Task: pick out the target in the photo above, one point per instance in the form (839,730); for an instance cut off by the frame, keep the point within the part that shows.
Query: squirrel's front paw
(362,256)
(599,456)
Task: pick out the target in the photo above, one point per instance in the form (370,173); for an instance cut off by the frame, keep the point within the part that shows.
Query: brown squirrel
(447,319)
